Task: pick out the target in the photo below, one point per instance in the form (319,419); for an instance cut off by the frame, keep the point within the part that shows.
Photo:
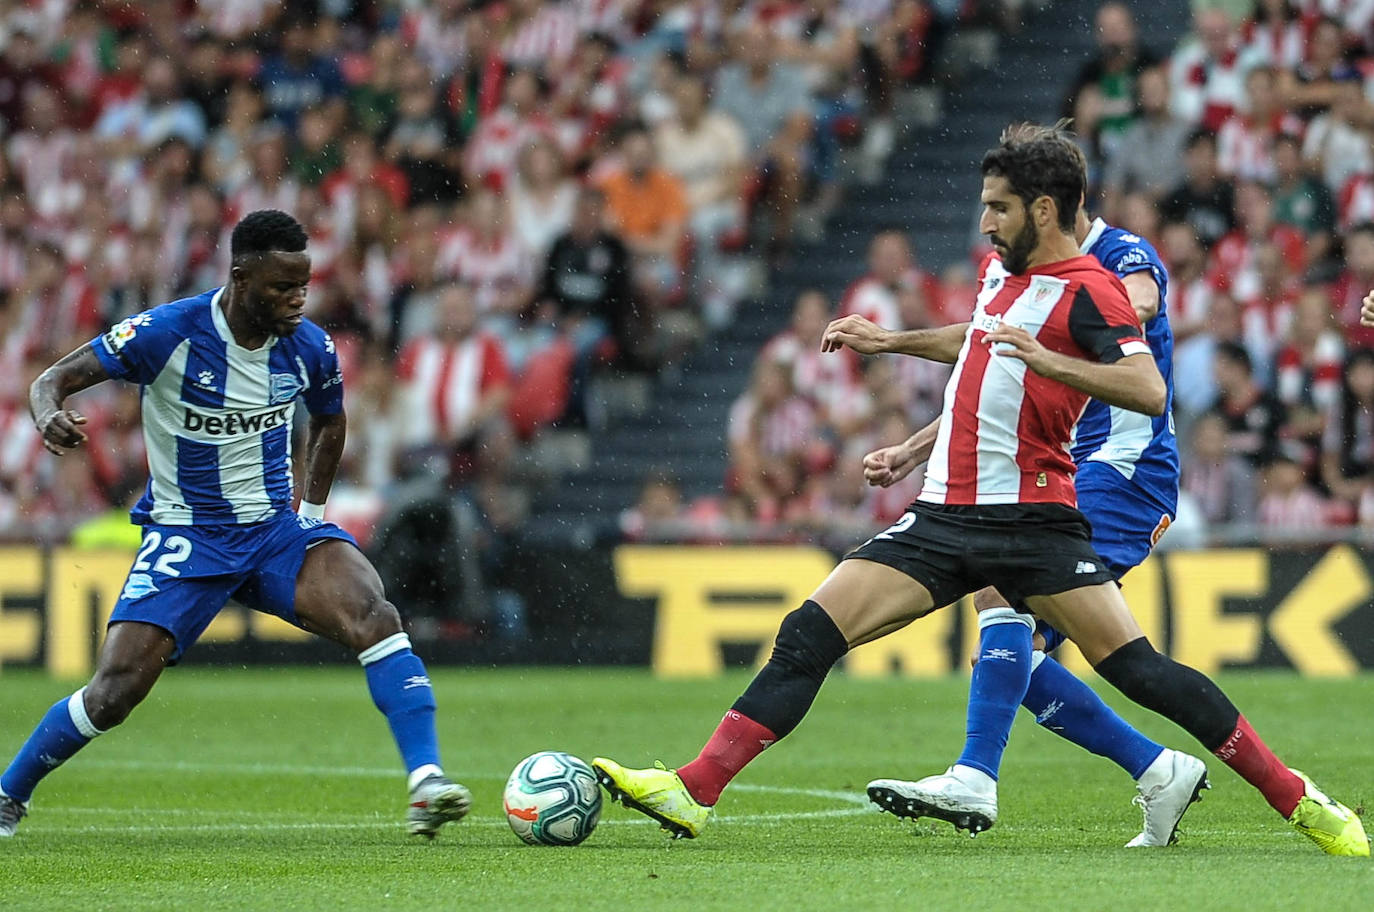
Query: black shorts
(1022,549)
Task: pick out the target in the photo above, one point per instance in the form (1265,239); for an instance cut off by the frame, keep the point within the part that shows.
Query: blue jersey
(217,416)
(1143,449)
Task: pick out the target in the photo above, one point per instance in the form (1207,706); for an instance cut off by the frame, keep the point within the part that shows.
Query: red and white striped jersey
(1005,430)
(545,40)
(442,385)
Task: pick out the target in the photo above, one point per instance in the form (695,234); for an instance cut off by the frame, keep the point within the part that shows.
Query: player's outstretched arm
(868,338)
(324,446)
(1133,382)
(60,427)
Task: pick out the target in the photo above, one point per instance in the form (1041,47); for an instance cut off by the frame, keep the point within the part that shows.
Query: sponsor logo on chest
(234,424)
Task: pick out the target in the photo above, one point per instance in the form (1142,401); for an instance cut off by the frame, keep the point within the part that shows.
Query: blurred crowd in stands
(505,199)
(1246,156)
(502,199)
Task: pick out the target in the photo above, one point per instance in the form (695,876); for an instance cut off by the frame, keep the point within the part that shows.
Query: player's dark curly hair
(1041,161)
(264,231)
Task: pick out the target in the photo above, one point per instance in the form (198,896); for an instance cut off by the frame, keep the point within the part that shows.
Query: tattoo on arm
(75,372)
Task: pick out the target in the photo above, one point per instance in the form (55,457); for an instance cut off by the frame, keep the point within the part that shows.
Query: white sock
(420,773)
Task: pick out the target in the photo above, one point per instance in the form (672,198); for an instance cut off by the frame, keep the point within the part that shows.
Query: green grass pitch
(279,789)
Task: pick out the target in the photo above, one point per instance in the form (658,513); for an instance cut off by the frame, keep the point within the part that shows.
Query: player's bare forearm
(922,443)
(942,344)
(324,446)
(1132,383)
(868,338)
(61,427)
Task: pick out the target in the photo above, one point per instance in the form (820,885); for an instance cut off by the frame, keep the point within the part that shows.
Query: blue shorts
(184,575)
(1126,524)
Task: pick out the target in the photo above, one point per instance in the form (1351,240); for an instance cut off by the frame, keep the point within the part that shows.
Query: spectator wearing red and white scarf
(1309,362)
(1207,73)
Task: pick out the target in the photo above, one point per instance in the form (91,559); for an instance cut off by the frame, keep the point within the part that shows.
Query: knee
(112,695)
(373,622)
(808,641)
(1134,669)
(987,598)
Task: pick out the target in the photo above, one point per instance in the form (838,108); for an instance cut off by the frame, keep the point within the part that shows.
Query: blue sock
(64,730)
(400,688)
(999,682)
(1073,710)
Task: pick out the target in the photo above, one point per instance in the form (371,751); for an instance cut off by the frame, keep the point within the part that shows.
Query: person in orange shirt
(647,207)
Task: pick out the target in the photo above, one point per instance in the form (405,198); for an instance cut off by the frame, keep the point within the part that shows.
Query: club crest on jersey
(137,586)
(284,388)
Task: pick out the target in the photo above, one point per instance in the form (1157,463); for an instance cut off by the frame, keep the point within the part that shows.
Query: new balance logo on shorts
(1085,567)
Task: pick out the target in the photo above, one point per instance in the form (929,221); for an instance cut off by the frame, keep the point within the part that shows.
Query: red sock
(1247,754)
(737,740)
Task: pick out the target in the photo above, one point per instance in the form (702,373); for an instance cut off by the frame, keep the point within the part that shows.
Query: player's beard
(1017,257)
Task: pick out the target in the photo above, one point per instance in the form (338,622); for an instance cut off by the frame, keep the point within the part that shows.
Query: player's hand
(860,334)
(1019,344)
(1367,310)
(886,466)
(61,431)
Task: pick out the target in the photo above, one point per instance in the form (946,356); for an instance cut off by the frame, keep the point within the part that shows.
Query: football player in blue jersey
(1127,485)
(219,376)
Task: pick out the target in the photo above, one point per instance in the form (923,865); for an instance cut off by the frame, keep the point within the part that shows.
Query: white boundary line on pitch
(267,826)
(857,804)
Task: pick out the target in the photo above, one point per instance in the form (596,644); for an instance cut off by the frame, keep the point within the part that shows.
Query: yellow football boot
(657,793)
(1328,823)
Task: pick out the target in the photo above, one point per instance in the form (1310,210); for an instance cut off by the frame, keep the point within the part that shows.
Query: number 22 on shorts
(178,549)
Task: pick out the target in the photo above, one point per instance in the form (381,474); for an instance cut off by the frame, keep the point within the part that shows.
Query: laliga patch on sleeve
(124,331)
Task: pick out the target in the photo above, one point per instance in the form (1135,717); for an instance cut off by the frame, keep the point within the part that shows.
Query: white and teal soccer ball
(552,799)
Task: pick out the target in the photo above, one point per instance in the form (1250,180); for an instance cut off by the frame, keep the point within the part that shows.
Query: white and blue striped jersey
(217,416)
(1143,449)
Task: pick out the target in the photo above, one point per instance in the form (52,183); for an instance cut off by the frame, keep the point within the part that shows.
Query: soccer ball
(552,799)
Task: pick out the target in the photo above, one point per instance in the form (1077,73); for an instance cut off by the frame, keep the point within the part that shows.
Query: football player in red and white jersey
(1050,329)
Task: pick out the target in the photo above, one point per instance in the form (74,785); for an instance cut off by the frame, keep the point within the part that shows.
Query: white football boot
(1167,787)
(435,801)
(964,796)
(11,812)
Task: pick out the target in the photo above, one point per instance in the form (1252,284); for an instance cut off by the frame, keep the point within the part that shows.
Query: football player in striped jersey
(220,374)
(1051,329)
